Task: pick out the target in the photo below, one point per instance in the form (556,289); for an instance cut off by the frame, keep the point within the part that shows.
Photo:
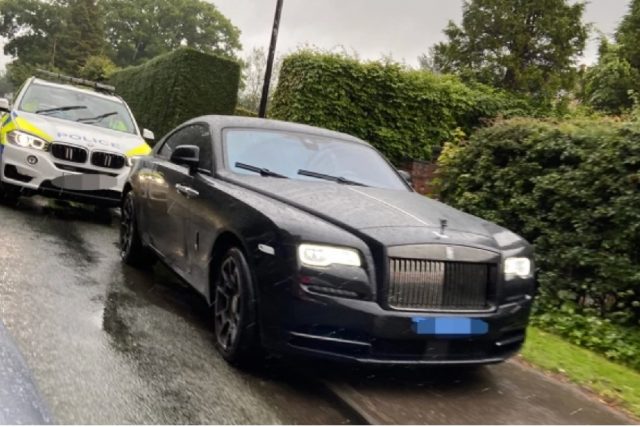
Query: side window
(201,137)
(198,135)
(170,144)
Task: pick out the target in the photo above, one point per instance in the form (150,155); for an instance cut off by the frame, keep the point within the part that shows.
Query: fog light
(32,160)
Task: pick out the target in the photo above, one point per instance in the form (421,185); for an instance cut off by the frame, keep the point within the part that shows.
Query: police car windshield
(76,106)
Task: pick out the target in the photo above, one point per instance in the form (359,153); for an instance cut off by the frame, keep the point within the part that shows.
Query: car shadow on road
(63,210)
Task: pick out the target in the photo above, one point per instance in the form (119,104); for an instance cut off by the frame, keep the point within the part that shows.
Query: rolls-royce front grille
(107,160)
(69,153)
(440,285)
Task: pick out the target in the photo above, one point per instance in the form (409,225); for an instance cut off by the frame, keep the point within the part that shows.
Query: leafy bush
(98,68)
(609,84)
(616,343)
(179,86)
(404,113)
(570,188)
(243,112)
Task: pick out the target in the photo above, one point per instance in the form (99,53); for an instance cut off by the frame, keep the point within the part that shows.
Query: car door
(168,206)
(204,207)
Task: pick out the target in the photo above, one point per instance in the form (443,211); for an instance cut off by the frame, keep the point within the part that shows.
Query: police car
(68,138)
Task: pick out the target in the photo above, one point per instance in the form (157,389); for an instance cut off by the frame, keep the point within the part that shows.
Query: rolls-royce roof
(222,122)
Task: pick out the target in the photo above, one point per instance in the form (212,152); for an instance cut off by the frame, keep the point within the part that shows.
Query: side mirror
(147,134)
(187,155)
(4,105)
(405,175)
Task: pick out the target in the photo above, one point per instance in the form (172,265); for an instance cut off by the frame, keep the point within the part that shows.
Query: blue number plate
(449,326)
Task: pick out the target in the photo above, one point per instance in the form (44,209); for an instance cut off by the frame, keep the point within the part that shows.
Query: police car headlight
(26,140)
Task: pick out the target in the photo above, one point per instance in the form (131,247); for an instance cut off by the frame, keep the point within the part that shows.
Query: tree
(628,35)
(32,28)
(97,68)
(254,66)
(609,85)
(58,35)
(6,86)
(81,37)
(139,30)
(524,46)
(61,35)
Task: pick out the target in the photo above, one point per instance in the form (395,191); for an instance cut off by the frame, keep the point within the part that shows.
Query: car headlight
(26,140)
(324,256)
(520,267)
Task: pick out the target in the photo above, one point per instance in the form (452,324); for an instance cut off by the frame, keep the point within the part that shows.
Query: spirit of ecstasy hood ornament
(443,228)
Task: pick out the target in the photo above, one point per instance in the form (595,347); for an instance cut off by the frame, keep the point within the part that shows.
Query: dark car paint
(283,213)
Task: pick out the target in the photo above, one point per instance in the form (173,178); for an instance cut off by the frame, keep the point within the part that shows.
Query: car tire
(132,251)
(234,311)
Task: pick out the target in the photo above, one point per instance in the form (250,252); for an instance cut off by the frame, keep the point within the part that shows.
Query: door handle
(187,192)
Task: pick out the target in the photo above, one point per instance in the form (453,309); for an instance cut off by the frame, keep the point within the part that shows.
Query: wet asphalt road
(111,345)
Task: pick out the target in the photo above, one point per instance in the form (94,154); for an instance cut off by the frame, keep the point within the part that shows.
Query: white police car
(68,142)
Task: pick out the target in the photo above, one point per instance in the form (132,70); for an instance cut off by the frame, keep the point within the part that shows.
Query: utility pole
(270,59)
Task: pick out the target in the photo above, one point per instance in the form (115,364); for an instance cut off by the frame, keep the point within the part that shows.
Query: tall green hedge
(404,113)
(572,189)
(179,86)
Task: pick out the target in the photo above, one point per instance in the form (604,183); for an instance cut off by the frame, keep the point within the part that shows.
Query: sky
(375,28)
(403,29)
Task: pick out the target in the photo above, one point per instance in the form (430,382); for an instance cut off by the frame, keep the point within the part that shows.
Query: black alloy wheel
(234,309)
(132,250)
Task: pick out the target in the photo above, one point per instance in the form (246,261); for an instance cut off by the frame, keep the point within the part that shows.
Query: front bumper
(38,178)
(361,331)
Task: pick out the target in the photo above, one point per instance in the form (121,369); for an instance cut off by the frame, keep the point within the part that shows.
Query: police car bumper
(36,171)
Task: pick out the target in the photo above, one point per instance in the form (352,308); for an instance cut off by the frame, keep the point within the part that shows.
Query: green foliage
(609,84)
(628,34)
(33,29)
(616,384)
(572,189)
(253,71)
(6,86)
(139,30)
(403,113)
(61,35)
(98,68)
(81,37)
(179,86)
(243,112)
(523,46)
(616,343)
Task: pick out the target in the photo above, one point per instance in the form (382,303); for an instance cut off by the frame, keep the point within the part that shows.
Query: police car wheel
(132,250)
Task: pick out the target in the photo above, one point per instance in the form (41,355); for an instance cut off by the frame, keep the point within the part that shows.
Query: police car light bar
(78,81)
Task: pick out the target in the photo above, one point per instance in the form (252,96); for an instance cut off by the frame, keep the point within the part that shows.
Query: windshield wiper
(67,108)
(261,171)
(97,118)
(338,179)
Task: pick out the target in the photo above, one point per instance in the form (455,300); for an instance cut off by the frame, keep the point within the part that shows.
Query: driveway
(109,344)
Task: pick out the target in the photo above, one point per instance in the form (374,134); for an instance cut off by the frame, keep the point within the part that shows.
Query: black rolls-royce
(308,241)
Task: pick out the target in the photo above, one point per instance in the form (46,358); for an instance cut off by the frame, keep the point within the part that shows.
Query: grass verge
(615,384)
